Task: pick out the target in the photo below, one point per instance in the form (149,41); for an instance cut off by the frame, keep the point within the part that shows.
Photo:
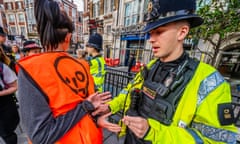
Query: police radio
(136,96)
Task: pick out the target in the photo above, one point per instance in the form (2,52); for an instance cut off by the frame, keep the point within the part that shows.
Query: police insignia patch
(150,6)
(225,114)
(150,93)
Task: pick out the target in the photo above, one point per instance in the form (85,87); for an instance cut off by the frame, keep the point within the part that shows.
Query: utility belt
(159,101)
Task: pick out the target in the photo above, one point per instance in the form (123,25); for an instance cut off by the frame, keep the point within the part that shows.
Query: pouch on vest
(225,114)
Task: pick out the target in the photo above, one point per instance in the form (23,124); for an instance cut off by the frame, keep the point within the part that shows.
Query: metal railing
(116,80)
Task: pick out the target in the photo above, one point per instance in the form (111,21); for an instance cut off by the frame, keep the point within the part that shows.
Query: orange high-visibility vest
(66,82)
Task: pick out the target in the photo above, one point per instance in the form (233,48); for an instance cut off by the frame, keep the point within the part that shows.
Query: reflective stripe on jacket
(97,70)
(66,82)
(196,116)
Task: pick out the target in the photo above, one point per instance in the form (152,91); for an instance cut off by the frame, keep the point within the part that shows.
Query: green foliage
(220,16)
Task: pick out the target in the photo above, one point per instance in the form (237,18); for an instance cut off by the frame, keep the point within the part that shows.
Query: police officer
(96,61)
(174,99)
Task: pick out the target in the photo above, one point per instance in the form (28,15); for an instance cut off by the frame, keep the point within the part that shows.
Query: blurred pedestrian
(81,54)
(9,118)
(30,47)
(16,52)
(96,60)
(131,62)
(3,36)
(175,99)
(56,91)
(7,50)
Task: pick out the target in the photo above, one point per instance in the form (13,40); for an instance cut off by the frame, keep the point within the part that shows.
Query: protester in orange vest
(56,91)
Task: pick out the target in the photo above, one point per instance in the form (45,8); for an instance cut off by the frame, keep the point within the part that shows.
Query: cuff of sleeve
(146,132)
(88,106)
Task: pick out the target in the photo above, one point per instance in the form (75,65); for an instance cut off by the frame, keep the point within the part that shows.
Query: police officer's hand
(103,122)
(138,125)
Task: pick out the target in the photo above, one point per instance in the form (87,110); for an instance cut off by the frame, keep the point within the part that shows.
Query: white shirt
(8,75)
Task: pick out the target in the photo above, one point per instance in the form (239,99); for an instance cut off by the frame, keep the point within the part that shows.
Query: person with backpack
(9,117)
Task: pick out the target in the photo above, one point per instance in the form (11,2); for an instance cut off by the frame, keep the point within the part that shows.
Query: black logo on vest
(76,81)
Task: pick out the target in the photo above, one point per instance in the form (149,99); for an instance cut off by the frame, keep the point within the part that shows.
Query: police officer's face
(90,50)
(167,40)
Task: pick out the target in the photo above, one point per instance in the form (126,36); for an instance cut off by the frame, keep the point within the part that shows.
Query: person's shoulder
(205,66)
(205,70)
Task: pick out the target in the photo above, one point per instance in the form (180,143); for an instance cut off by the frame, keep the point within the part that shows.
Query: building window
(19,5)
(112,6)
(23,31)
(108,6)
(29,3)
(21,17)
(13,30)
(9,5)
(131,13)
(11,18)
(145,7)
(74,15)
(96,9)
(108,31)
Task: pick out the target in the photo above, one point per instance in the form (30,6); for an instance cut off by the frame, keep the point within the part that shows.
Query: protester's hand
(102,109)
(106,97)
(95,99)
(103,122)
(138,125)
(98,99)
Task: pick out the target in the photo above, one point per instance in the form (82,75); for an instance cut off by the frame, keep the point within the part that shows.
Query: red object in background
(137,67)
(112,62)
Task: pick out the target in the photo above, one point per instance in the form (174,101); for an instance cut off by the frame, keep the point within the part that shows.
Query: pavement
(109,137)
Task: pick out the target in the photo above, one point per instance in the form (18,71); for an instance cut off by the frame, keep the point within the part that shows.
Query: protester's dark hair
(53,24)
(3,57)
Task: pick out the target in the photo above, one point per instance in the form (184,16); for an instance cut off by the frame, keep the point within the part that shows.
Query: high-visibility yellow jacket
(197,109)
(97,70)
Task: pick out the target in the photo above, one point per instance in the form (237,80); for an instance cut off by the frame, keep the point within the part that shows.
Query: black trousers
(9,119)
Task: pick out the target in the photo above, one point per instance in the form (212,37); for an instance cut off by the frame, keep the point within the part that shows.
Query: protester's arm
(36,115)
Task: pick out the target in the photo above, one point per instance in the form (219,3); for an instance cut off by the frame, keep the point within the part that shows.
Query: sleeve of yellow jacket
(197,109)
